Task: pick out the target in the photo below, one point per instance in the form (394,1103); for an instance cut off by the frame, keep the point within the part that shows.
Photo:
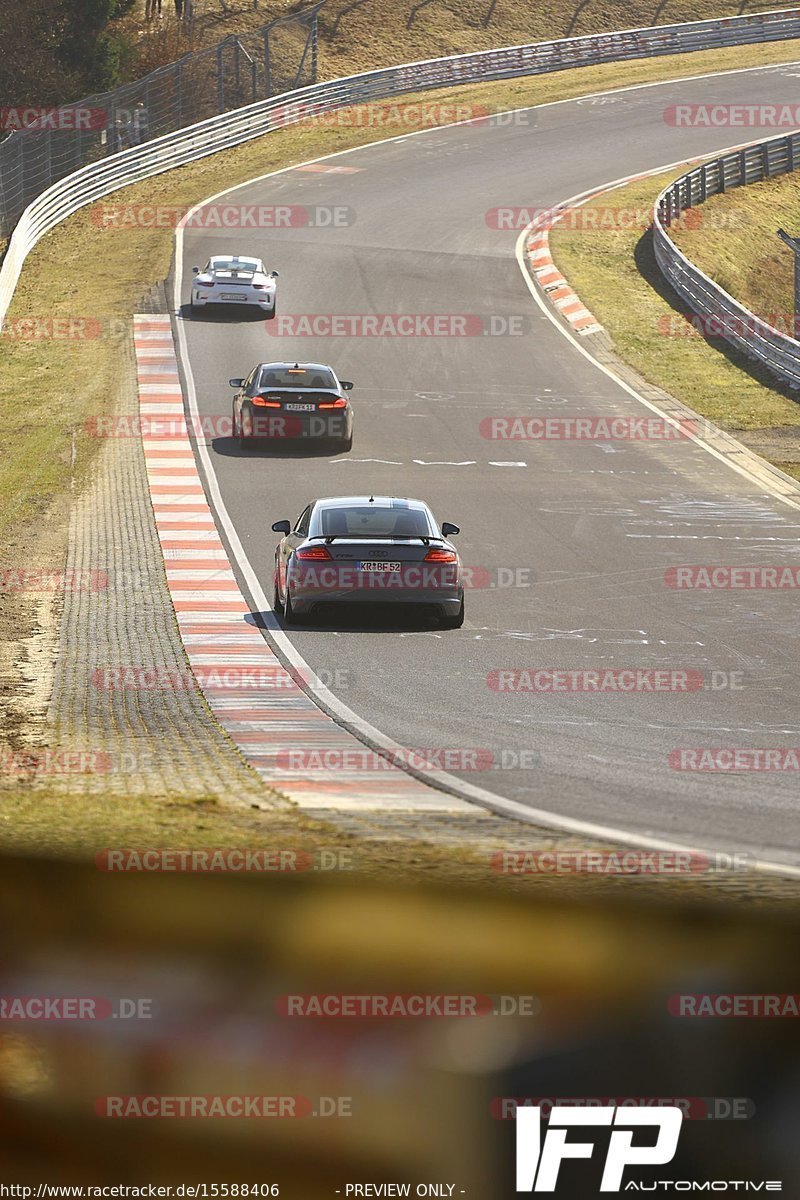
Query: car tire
(453,622)
(193,309)
(348,445)
(277,603)
(288,612)
(245,442)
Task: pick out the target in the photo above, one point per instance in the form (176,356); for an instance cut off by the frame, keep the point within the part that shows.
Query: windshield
(297,377)
(372,521)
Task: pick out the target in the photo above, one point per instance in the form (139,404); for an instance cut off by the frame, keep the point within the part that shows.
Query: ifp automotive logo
(539,1159)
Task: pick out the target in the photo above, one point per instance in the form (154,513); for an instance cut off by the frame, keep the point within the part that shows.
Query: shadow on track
(357,618)
(229,447)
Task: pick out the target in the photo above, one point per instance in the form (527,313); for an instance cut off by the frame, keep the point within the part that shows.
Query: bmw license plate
(299,407)
(378,566)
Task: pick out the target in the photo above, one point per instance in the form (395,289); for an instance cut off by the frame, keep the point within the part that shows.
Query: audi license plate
(378,566)
(299,407)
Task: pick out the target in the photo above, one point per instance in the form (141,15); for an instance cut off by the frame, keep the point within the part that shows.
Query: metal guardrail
(98,179)
(721,315)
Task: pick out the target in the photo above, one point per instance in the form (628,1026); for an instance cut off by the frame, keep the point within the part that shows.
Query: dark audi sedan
(288,401)
(350,549)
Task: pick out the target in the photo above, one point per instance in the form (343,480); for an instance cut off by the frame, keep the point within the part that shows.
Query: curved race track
(592,527)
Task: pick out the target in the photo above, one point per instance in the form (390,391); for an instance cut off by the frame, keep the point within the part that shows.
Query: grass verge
(353,36)
(614,272)
(735,243)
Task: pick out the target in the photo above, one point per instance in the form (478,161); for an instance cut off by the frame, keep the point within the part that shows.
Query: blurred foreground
(229,987)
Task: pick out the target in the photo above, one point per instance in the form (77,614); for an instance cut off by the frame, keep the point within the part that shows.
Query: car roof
(378,501)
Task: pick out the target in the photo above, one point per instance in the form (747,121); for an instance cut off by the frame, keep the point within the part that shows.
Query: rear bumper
(276,426)
(265,304)
(303,602)
(332,585)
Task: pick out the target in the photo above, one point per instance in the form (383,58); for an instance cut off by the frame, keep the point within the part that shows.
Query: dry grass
(735,243)
(615,274)
(374,33)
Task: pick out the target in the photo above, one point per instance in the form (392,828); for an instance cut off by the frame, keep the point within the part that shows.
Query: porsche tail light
(204,283)
(313,553)
(438,555)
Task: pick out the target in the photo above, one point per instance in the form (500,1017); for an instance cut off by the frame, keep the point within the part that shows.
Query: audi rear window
(371,521)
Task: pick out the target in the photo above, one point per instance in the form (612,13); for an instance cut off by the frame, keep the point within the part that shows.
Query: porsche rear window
(227,264)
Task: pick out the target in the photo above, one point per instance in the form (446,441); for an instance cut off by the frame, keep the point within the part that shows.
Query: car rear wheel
(288,612)
(277,603)
(245,437)
(453,621)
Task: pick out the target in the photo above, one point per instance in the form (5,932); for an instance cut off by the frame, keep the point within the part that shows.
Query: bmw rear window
(297,377)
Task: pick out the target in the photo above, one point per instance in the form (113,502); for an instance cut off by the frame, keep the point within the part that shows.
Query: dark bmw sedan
(292,401)
(351,549)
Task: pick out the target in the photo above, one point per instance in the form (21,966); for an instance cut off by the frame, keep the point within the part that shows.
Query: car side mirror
(347,385)
(275,274)
(281,526)
(195,270)
(235,382)
(449,529)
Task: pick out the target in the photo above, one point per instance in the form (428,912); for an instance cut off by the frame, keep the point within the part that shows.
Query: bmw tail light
(339,402)
(313,553)
(441,556)
(262,402)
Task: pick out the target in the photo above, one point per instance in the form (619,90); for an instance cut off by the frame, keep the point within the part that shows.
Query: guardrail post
(267,66)
(48,156)
(314,46)
(703,183)
(742,167)
(178,91)
(794,246)
(765,167)
(790,151)
(220,81)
